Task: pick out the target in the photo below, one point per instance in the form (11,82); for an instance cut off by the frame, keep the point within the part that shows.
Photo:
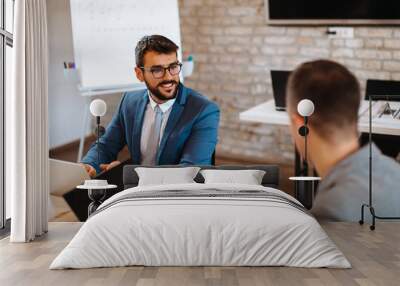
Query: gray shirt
(342,192)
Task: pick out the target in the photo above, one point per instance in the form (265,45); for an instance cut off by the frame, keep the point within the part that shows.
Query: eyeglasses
(159,71)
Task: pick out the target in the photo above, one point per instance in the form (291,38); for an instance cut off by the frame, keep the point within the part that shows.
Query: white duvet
(200,231)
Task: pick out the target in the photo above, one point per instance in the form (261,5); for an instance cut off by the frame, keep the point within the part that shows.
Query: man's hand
(90,170)
(106,167)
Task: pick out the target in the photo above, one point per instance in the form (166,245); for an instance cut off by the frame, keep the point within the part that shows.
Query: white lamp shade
(98,107)
(305,107)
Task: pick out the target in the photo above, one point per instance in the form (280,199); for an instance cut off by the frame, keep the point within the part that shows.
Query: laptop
(279,80)
(65,176)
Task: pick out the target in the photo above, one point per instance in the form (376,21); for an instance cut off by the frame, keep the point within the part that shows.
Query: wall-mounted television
(337,12)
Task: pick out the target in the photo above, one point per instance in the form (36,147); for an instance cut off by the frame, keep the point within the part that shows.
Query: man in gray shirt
(333,145)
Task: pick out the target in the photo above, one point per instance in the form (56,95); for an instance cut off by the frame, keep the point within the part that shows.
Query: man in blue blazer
(167,123)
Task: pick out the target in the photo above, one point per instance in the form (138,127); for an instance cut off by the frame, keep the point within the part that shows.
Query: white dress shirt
(148,121)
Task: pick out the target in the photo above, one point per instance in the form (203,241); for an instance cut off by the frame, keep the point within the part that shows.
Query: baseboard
(249,160)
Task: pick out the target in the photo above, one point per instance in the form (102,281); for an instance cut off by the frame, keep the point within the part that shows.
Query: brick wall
(234,50)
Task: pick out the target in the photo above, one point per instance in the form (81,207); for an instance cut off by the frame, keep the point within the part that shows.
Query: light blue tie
(154,138)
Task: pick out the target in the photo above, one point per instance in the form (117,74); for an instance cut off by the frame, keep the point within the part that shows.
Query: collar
(356,161)
(163,106)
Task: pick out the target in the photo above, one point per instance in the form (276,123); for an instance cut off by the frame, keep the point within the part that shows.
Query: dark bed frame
(124,176)
(270,179)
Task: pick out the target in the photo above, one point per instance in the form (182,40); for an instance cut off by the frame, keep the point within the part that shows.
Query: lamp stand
(97,139)
(304,185)
(305,162)
(370,205)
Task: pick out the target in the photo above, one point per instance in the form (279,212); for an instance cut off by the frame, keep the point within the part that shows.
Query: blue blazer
(190,135)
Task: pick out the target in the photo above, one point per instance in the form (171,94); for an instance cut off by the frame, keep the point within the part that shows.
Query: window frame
(6,39)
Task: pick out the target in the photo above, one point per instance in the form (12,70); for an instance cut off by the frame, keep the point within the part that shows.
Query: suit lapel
(137,126)
(173,118)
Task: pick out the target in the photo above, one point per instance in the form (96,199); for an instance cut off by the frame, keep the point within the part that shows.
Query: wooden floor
(375,257)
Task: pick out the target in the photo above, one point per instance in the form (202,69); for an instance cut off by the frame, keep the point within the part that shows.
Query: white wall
(66,106)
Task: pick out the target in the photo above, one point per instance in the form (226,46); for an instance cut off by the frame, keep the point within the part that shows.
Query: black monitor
(279,82)
(342,12)
(383,90)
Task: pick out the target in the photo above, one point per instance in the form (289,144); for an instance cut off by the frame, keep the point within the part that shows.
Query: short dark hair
(333,89)
(156,43)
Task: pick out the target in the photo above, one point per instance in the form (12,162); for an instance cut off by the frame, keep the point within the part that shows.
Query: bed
(198,224)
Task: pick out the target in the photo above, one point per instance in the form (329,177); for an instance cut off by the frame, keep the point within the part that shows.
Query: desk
(266,113)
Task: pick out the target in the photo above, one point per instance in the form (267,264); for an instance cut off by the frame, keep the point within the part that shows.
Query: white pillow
(248,177)
(166,176)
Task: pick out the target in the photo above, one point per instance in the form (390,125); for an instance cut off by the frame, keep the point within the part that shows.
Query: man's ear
(139,74)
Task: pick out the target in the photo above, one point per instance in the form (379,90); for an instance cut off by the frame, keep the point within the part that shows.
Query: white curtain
(26,123)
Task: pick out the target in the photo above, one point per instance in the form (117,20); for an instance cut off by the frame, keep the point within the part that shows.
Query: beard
(156,91)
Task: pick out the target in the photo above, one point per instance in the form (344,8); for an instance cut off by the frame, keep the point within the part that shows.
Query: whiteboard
(105,34)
